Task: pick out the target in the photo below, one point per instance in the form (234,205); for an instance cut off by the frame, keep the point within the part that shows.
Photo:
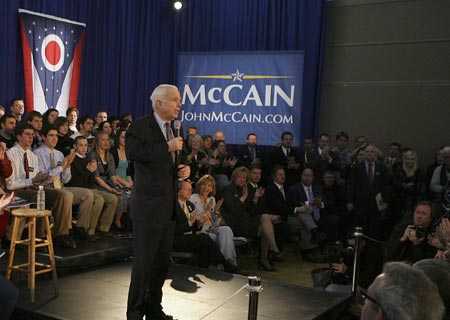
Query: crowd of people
(312,198)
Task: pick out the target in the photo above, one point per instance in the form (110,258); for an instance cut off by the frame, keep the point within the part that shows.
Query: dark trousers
(281,231)
(152,245)
(8,298)
(204,248)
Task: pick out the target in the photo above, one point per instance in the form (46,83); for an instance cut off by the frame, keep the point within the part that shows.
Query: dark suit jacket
(319,165)
(245,157)
(360,193)
(278,158)
(299,195)
(276,203)
(182,221)
(155,183)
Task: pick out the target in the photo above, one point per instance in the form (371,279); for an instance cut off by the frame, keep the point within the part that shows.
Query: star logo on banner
(237,76)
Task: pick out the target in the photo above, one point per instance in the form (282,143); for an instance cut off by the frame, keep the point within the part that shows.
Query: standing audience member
(152,147)
(100,116)
(250,153)
(207,145)
(440,183)
(2,111)
(285,156)
(341,149)
(322,158)
(402,292)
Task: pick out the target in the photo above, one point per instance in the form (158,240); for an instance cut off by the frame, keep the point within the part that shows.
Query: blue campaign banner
(241,93)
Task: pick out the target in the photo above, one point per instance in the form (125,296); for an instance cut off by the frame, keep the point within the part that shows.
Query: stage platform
(189,293)
(94,279)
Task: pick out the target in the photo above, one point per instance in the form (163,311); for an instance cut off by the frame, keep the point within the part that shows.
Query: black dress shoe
(276,257)
(104,234)
(65,242)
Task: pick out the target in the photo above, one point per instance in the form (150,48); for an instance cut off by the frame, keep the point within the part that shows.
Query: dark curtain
(131,45)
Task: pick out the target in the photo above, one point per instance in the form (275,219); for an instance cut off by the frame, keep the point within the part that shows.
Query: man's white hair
(160,91)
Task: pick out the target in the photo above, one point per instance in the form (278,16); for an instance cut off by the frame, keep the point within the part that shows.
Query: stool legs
(51,254)
(12,248)
(30,266)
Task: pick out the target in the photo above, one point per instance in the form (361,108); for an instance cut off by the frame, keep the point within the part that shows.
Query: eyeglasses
(371,299)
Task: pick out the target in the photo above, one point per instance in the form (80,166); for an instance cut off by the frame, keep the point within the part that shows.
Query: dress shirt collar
(161,123)
(285,150)
(254,185)
(278,185)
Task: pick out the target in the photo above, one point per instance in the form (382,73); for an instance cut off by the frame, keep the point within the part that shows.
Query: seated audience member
(83,175)
(322,158)
(72,115)
(197,159)
(235,212)
(334,194)
(124,170)
(341,149)
(222,164)
(86,129)
(439,159)
(105,176)
(402,292)
(188,239)
(207,145)
(58,167)
(8,125)
(35,119)
(26,178)
(189,131)
(408,241)
(440,183)
(394,157)
(257,206)
(438,272)
(49,116)
(209,219)
(407,185)
(9,294)
(17,108)
(5,172)
(250,153)
(105,126)
(65,142)
(285,156)
(124,124)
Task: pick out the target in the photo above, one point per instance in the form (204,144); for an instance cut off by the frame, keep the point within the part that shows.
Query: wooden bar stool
(32,243)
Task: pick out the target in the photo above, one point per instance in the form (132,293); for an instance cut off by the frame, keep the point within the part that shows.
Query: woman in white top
(206,206)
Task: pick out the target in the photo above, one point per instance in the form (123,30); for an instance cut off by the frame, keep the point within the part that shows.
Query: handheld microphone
(177,126)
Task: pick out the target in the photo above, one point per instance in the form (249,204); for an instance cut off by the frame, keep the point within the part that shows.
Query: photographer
(408,241)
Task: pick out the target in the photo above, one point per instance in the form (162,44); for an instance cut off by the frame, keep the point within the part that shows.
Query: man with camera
(408,241)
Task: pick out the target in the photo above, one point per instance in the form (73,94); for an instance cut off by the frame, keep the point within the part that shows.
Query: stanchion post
(358,242)
(254,287)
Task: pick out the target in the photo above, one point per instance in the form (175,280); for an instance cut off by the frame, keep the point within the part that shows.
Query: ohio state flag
(52,50)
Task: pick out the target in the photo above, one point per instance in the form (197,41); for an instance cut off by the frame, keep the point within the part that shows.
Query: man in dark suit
(367,184)
(322,158)
(250,153)
(151,145)
(288,158)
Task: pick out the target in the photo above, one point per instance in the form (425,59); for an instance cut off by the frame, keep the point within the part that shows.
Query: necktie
(186,211)
(288,152)
(282,192)
(26,165)
(316,212)
(370,173)
(169,136)
(56,180)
